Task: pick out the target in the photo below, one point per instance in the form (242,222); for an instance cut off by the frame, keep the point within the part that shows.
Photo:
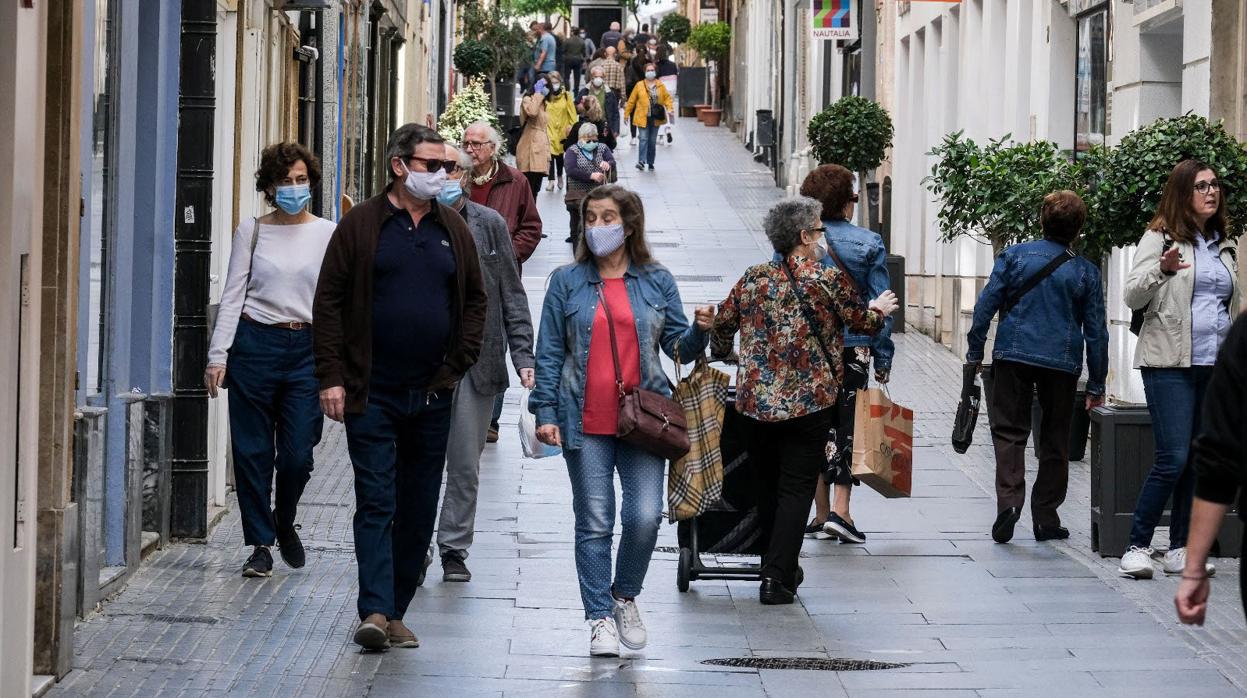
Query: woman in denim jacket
(1185,279)
(865,260)
(1038,352)
(576,400)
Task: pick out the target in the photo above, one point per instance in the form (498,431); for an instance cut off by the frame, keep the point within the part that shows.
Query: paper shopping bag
(883,444)
(695,482)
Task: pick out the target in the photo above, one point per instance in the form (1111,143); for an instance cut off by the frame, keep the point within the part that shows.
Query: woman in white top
(262,352)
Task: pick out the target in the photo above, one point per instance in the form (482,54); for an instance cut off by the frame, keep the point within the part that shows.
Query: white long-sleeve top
(283,282)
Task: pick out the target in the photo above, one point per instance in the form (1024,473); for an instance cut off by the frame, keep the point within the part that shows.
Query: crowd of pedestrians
(316,320)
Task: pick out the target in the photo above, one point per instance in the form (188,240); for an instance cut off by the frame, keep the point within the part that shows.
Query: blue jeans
(275,421)
(592,469)
(1174,397)
(398,449)
(648,146)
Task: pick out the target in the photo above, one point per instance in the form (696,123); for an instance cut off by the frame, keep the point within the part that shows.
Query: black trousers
(574,222)
(556,164)
(534,181)
(788,456)
(1014,386)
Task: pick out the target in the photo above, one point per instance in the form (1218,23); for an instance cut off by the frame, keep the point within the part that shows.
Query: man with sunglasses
(398,320)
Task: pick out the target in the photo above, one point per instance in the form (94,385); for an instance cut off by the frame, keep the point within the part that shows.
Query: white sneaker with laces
(1174,562)
(633,141)
(1137,563)
(628,621)
(603,638)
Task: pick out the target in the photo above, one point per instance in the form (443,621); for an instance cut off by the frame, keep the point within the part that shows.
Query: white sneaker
(1137,563)
(1174,562)
(550,185)
(603,638)
(633,141)
(628,620)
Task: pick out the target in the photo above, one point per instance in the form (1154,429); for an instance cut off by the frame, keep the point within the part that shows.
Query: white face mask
(424,185)
(604,239)
(597,82)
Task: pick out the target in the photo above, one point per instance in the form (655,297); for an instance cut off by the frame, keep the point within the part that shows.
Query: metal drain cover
(804,663)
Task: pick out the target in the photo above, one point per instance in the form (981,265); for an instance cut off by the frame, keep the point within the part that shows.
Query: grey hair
(586,130)
(465,160)
(786,219)
(404,140)
(491,134)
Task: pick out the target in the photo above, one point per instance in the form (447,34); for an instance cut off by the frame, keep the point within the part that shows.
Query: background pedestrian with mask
(560,115)
(532,152)
(263,343)
(507,322)
(388,366)
(649,107)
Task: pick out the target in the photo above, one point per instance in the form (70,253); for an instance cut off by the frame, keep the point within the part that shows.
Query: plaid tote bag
(695,482)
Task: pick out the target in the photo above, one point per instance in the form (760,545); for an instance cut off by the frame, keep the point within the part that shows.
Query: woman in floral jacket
(791,314)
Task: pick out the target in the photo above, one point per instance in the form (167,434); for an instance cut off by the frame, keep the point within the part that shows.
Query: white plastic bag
(533,448)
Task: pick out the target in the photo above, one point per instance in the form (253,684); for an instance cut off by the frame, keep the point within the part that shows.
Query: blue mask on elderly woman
(588,147)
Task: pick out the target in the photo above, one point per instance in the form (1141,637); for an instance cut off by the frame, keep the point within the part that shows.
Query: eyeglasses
(473,145)
(1205,187)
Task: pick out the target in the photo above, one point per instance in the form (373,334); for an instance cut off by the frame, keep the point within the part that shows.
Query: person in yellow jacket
(561,115)
(649,106)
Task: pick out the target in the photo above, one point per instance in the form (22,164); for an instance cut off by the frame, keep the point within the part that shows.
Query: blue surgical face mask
(451,193)
(293,197)
(650,75)
(604,239)
(589,147)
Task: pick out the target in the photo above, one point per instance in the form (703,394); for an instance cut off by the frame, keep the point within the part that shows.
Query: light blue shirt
(546,43)
(1210,302)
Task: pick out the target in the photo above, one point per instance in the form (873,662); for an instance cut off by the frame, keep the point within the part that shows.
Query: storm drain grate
(653,243)
(693,278)
(203,620)
(804,663)
(153,660)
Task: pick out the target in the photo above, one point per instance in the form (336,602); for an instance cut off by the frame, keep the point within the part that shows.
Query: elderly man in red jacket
(503,188)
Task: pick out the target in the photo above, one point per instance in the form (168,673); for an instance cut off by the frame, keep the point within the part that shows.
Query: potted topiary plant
(674,28)
(713,41)
(468,106)
(493,26)
(854,132)
(473,58)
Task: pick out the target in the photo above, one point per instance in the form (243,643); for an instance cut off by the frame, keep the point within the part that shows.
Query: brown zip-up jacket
(342,311)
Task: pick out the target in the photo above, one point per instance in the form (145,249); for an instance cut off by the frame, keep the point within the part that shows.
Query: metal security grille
(804,663)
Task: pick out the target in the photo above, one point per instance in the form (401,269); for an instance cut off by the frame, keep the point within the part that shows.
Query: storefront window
(102,192)
(1091,83)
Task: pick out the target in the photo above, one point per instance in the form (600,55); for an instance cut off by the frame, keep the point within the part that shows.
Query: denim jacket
(1049,325)
(567,326)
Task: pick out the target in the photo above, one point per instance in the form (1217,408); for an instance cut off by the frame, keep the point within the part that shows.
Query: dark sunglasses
(434,164)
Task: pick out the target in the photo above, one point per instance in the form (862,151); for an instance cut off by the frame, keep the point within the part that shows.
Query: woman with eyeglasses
(263,343)
(1185,280)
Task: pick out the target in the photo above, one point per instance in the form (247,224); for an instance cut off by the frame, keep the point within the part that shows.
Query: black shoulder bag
(1035,280)
(1136,316)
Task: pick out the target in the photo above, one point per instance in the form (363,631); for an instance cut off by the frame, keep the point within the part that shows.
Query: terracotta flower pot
(701,111)
(711,117)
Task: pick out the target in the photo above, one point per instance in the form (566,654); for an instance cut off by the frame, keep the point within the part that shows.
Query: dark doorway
(597,21)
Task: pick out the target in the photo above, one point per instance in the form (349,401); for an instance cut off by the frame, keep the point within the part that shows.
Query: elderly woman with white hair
(791,314)
(589,164)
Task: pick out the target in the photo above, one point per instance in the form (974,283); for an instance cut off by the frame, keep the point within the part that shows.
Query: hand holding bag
(650,421)
(967,409)
(529,443)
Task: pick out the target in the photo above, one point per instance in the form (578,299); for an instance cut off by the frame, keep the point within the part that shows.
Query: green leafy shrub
(468,106)
(712,40)
(997,190)
(675,28)
(854,132)
(473,58)
(1132,175)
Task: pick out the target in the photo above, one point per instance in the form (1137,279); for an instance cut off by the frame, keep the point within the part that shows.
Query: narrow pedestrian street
(930,591)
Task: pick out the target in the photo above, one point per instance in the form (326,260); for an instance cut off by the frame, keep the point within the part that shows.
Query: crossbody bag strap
(255,238)
(610,323)
(1065,256)
(840,265)
(808,313)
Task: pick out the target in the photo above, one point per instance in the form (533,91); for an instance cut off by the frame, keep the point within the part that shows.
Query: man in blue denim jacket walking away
(1038,350)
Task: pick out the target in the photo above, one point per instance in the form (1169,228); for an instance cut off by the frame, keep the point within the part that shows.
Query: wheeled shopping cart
(731,526)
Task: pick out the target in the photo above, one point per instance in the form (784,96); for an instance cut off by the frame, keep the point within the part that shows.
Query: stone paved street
(929,589)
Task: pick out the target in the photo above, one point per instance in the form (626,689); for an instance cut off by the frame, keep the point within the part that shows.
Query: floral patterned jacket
(783,373)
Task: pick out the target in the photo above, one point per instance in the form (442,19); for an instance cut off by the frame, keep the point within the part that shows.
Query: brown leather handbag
(650,421)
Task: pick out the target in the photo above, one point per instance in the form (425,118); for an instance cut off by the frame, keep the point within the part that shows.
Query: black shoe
(453,568)
(799,578)
(651,168)
(668,138)
(845,531)
(640,166)
(1051,532)
(260,564)
(290,547)
(815,527)
(424,571)
(569,239)
(772,593)
(1002,530)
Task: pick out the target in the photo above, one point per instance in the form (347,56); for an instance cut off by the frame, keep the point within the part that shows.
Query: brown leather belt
(280,325)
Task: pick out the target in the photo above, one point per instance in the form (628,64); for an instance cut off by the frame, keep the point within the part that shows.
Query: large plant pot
(506,99)
(1122,450)
(701,111)
(712,117)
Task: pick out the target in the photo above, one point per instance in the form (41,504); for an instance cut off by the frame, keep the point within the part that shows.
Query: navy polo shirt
(412,293)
